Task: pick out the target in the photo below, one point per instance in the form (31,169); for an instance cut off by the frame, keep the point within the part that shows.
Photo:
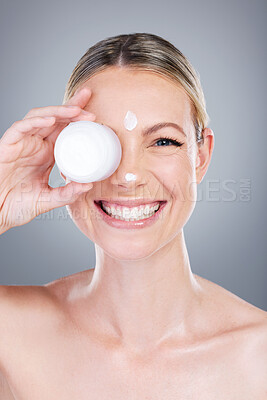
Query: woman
(140,325)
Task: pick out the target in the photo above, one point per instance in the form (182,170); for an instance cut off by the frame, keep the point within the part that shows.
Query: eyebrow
(154,128)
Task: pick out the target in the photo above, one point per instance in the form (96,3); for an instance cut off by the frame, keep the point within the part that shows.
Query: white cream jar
(86,151)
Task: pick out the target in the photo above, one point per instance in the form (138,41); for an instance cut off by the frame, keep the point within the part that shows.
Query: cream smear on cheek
(130,122)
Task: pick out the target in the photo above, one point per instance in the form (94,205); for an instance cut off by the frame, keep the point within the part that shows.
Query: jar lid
(81,151)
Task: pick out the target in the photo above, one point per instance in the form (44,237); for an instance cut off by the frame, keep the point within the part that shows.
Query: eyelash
(173,141)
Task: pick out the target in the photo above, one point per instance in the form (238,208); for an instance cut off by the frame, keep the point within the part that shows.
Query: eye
(164,142)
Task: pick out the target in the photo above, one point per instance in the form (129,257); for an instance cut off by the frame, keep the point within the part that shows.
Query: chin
(128,251)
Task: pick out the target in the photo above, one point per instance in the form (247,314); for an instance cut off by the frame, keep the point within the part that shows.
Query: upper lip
(130,203)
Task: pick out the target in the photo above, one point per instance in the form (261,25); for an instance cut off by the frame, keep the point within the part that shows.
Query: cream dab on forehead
(130,177)
(130,121)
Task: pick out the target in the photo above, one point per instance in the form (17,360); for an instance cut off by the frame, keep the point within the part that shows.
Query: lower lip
(141,223)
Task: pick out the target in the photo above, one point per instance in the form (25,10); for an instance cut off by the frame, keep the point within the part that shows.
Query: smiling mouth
(136,213)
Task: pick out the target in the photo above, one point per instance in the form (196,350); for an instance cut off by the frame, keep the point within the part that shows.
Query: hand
(27,158)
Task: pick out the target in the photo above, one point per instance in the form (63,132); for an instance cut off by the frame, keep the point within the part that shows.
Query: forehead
(150,96)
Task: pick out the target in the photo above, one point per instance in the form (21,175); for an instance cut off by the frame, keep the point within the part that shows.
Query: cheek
(177,167)
(176,175)
(80,213)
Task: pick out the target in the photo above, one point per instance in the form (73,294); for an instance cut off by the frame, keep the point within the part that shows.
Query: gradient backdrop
(41,42)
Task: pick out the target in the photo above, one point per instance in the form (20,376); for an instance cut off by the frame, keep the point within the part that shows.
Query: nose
(131,172)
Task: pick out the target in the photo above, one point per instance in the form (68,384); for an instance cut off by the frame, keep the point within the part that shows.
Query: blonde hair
(146,52)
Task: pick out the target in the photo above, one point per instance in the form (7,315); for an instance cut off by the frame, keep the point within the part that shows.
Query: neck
(146,301)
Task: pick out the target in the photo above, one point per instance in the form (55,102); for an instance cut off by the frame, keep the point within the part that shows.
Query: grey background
(41,41)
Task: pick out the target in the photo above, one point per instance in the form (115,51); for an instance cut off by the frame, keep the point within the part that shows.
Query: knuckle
(31,113)
(16,124)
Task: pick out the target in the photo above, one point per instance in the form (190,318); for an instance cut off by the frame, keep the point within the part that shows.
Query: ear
(204,152)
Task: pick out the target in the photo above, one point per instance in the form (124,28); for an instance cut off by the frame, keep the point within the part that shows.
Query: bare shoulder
(23,310)
(62,287)
(243,328)
(30,297)
(19,298)
(234,311)
(19,301)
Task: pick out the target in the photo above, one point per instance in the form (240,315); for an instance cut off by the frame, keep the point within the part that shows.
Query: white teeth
(131,214)
(146,210)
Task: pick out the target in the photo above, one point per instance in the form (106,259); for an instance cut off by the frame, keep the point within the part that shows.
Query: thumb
(61,196)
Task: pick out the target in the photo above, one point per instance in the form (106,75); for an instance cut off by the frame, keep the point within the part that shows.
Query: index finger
(80,98)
